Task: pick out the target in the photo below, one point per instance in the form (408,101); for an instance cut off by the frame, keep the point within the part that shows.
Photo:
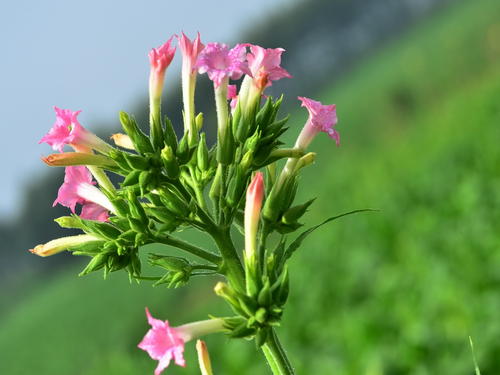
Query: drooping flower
(61,244)
(164,343)
(264,64)
(253,205)
(322,118)
(67,130)
(220,62)
(78,188)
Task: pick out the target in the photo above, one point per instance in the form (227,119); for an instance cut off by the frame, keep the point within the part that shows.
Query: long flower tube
(159,59)
(190,51)
(164,343)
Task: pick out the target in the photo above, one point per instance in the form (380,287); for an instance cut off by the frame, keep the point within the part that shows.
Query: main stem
(272,349)
(276,357)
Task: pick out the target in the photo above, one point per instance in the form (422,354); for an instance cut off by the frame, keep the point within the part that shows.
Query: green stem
(195,250)
(232,264)
(276,357)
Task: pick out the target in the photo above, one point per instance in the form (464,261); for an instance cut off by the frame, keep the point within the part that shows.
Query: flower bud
(123,141)
(255,195)
(78,158)
(60,244)
(170,162)
(203,358)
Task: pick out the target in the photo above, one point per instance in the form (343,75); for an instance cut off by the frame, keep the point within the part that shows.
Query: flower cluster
(168,183)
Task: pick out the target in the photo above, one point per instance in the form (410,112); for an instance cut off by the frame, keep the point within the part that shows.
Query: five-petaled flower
(322,118)
(220,62)
(264,64)
(163,343)
(78,188)
(67,130)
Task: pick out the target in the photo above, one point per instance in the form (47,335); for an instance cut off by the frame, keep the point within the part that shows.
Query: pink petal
(162,343)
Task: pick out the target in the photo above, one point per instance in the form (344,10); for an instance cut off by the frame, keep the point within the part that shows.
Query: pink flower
(232,95)
(253,205)
(190,51)
(78,188)
(163,343)
(219,62)
(161,57)
(68,131)
(264,64)
(321,118)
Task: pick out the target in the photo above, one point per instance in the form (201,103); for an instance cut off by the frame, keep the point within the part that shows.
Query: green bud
(69,222)
(170,263)
(170,162)
(169,135)
(121,206)
(199,121)
(174,204)
(242,331)
(261,315)
(265,298)
(137,225)
(103,229)
(132,178)
(96,263)
(119,158)
(137,162)
(202,154)
(139,139)
(145,179)
(265,113)
(247,160)
(136,208)
(184,151)
(305,160)
(216,185)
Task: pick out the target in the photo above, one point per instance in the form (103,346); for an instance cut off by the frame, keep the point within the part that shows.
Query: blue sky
(90,55)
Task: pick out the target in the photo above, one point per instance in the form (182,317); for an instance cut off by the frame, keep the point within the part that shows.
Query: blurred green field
(394,292)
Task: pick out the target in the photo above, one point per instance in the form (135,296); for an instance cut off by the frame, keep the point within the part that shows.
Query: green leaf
(298,241)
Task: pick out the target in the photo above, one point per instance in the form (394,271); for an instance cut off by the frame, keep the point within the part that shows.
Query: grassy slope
(400,290)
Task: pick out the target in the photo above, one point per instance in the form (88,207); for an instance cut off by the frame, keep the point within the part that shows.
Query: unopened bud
(60,244)
(255,195)
(305,160)
(66,159)
(170,162)
(203,358)
(123,141)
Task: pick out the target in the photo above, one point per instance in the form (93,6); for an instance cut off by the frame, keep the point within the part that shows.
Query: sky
(91,56)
